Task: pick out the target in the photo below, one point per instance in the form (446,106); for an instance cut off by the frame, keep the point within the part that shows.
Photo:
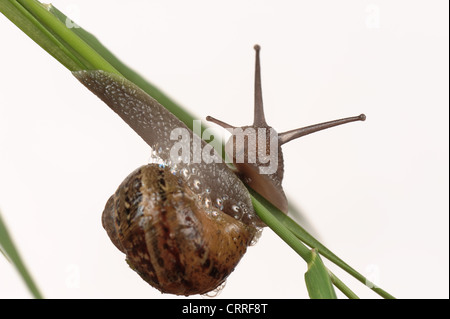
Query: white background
(376,192)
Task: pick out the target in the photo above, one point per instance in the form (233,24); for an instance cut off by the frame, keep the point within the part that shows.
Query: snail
(184,225)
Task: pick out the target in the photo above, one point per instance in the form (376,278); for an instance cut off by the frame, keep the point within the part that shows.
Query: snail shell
(170,238)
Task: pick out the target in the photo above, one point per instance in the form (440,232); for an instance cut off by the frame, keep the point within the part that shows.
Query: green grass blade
(185,116)
(11,253)
(77,49)
(317,279)
(97,62)
(25,21)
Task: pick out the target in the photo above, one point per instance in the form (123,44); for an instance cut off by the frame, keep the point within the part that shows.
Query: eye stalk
(259,119)
(293,134)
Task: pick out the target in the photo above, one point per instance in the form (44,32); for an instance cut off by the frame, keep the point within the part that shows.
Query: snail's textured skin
(170,239)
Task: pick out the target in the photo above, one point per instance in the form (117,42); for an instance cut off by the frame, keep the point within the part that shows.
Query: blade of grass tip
(39,34)
(9,249)
(67,35)
(317,279)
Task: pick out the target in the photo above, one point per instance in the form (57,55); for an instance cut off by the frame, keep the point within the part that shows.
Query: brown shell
(170,239)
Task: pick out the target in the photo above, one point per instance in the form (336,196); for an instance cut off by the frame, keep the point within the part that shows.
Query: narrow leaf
(70,38)
(317,280)
(25,21)
(11,253)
